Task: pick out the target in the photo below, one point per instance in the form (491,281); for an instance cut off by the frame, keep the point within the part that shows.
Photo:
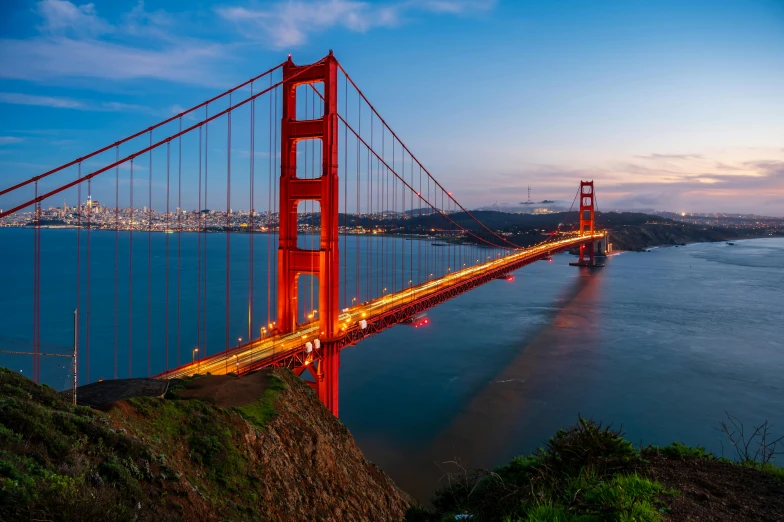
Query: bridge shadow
(485,433)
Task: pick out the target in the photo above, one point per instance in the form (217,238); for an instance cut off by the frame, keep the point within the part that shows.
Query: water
(662,343)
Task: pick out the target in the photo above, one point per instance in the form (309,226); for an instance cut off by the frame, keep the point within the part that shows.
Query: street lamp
(193,356)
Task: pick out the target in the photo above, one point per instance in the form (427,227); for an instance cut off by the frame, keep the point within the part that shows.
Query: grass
(262,410)
(65,462)
(51,458)
(770,468)
(679,450)
(585,473)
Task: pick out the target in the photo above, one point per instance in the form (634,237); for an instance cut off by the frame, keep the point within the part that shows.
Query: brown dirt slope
(216,448)
(718,491)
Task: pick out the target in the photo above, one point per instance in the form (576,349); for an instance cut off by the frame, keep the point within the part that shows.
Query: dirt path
(227,391)
(719,491)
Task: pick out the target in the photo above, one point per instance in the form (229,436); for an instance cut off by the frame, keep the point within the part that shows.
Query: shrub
(678,450)
(589,446)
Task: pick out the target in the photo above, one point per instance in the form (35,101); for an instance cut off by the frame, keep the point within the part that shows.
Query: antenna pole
(75,344)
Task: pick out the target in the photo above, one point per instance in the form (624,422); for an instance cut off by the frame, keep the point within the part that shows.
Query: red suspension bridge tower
(324,262)
(587,211)
(393,280)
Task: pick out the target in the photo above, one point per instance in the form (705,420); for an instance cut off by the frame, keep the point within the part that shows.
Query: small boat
(730,244)
(438,244)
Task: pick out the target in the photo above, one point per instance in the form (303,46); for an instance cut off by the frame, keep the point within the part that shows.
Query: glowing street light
(193,356)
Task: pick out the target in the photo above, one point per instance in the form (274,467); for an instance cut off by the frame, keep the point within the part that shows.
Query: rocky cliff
(261,447)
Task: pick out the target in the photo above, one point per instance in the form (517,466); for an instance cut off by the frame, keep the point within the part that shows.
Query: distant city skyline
(669,105)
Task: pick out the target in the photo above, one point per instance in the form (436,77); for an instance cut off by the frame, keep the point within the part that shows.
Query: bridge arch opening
(309,159)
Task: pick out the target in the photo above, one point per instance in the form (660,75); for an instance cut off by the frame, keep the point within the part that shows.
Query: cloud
(63,17)
(49,58)
(671,156)
(288,23)
(7,140)
(16,98)
(124,107)
(729,180)
(768,168)
(74,42)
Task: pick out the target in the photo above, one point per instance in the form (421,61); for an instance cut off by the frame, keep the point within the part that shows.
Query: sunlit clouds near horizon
(667,105)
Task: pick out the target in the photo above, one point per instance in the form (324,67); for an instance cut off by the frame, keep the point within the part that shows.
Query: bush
(678,450)
(589,446)
(585,473)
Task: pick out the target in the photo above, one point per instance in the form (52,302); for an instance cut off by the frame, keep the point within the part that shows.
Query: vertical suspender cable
(179,246)
(272,152)
(130,282)
(419,238)
(149,265)
(198,258)
(79,239)
(166,247)
(371,216)
(359,119)
(116,257)
(313,246)
(228,228)
(310,144)
(252,211)
(345,198)
(394,219)
(36,285)
(87,290)
(276,236)
(403,220)
(203,353)
(411,229)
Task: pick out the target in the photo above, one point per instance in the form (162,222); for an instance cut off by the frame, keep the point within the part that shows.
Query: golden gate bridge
(322,144)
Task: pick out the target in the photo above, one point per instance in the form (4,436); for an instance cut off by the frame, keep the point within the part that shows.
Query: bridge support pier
(328,377)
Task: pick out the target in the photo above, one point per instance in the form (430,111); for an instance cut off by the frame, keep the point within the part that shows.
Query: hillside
(590,473)
(630,230)
(216,448)
(640,237)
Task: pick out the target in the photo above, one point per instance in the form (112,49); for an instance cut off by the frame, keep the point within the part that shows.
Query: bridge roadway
(289,349)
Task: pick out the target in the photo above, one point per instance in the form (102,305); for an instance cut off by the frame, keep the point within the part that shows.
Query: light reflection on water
(661,343)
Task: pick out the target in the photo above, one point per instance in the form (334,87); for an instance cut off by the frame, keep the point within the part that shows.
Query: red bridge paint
(282,341)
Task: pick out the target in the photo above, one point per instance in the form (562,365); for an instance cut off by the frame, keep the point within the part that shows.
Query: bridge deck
(289,349)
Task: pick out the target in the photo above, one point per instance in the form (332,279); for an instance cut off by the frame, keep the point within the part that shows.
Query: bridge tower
(587,209)
(324,262)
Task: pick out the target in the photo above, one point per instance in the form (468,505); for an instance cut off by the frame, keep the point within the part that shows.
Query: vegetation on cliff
(216,448)
(590,473)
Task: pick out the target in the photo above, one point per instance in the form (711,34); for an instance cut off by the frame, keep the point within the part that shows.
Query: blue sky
(675,105)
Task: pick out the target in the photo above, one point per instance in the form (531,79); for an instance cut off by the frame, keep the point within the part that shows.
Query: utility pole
(76,343)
